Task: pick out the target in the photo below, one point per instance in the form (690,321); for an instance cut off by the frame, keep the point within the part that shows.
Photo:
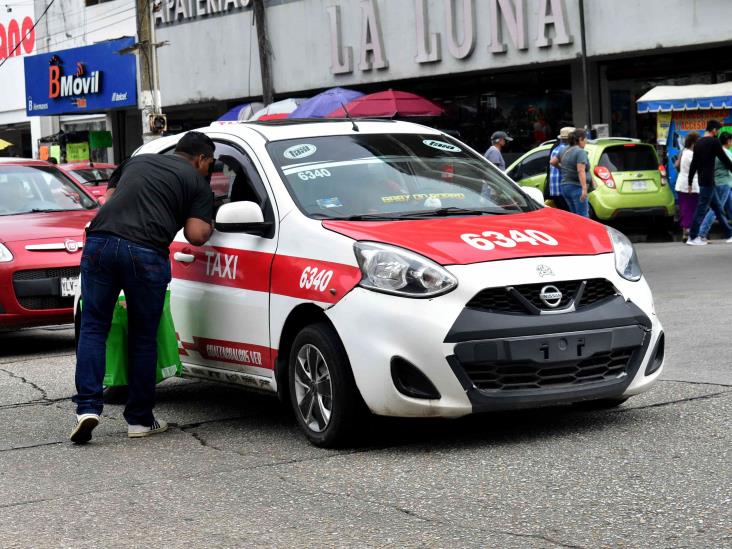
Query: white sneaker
(696,242)
(85,424)
(729,240)
(137,431)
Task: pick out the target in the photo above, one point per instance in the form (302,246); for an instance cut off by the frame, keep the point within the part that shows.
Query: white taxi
(386,266)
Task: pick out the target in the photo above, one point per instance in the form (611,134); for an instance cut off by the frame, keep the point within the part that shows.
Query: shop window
(95,2)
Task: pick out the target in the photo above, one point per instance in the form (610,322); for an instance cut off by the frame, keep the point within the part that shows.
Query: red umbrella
(388,104)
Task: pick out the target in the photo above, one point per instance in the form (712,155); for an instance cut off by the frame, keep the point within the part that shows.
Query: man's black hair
(713,125)
(195,143)
(725,137)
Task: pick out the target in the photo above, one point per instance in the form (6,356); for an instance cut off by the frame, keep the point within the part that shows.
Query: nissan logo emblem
(550,296)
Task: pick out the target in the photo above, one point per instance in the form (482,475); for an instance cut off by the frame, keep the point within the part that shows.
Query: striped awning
(687,98)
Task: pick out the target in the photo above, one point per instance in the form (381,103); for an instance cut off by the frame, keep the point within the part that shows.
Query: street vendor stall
(684,109)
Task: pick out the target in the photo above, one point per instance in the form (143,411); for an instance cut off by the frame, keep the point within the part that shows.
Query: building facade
(494,64)
(514,65)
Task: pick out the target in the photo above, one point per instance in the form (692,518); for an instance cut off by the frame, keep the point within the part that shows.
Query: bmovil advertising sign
(81,80)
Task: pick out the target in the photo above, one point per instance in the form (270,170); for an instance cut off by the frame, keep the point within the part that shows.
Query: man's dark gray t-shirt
(569,160)
(154,196)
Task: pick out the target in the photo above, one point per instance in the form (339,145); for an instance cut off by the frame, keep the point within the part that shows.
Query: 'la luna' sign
(507,17)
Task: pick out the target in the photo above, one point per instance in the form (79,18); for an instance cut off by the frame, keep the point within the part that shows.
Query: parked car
(395,270)
(93,175)
(627,177)
(43,214)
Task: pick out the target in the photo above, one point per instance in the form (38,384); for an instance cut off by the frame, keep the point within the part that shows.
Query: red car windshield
(28,189)
(93,176)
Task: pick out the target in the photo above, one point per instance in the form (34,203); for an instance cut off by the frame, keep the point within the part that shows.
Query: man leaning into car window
(150,198)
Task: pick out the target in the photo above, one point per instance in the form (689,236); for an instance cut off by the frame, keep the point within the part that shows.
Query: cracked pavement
(233,470)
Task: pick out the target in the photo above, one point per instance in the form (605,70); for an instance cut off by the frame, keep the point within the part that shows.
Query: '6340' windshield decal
(488,240)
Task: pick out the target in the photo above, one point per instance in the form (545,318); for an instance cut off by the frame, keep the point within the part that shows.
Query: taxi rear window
(629,158)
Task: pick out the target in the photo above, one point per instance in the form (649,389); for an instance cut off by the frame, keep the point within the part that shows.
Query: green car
(627,178)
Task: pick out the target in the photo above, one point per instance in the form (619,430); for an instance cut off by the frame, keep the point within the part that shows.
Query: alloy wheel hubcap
(313,388)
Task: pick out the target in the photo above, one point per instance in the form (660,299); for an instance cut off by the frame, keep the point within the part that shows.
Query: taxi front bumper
(478,360)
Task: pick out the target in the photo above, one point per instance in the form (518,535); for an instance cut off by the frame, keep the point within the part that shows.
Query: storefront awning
(687,98)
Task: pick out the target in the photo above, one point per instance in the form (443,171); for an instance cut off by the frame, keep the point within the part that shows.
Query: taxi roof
(292,128)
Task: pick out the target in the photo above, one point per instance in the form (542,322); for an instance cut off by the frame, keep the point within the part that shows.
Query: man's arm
(693,168)
(197,231)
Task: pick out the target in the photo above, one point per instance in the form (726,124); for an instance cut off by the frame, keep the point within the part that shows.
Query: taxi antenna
(348,115)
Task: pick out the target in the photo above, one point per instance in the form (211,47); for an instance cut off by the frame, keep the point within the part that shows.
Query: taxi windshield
(30,189)
(392,176)
(91,176)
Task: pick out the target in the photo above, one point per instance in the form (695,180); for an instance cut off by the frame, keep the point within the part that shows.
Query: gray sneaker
(138,431)
(85,424)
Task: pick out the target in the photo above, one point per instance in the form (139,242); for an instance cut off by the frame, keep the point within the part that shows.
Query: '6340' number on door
(312,278)
(488,240)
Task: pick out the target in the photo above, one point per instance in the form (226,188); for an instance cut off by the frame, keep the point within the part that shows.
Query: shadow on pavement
(37,341)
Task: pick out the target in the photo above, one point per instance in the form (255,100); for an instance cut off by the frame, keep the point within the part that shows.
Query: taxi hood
(40,226)
(462,240)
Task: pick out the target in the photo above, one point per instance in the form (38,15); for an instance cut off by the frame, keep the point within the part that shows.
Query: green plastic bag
(169,364)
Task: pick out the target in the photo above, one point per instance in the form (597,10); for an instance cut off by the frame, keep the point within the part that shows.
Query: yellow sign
(663,124)
(76,152)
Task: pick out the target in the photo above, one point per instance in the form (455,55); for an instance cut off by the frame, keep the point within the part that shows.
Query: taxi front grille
(515,376)
(525,298)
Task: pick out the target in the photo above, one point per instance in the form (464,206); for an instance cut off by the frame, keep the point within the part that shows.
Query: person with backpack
(576,176)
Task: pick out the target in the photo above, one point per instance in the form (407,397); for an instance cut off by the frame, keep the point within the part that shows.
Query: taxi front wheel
(322,390)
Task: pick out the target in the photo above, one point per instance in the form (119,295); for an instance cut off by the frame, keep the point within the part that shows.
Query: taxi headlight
(5,254)
(626,260)
(398,271)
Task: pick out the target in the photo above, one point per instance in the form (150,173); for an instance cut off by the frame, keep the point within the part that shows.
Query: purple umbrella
(240,112)
(325,103)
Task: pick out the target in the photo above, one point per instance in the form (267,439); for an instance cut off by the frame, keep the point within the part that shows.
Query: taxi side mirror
(535,194)
(241,217)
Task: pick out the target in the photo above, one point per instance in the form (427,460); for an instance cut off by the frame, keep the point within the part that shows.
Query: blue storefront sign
(81,80)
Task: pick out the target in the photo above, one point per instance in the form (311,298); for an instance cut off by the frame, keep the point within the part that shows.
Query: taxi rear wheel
(323,393)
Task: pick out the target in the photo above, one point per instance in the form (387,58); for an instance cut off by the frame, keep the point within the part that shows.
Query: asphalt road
(235,472)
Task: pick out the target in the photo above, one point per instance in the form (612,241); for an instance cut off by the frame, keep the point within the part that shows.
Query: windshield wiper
(370,217)
(47,210)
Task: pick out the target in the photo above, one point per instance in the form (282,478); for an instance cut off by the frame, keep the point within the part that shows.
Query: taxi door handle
(183,257)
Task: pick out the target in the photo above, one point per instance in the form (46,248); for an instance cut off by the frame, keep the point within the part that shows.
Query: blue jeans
(571,194)
(110,264)
(725,200)
(708,198)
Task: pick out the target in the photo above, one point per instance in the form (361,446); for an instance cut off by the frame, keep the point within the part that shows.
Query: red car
(93,175)
(43,214)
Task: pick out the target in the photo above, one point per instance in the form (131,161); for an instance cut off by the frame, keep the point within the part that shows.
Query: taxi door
(220,291)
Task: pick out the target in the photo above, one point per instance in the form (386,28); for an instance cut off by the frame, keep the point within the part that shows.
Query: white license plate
(639,185)
(68,286)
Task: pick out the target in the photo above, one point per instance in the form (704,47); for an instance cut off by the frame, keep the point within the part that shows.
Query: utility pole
(149,101)
(265,52)
(585,76)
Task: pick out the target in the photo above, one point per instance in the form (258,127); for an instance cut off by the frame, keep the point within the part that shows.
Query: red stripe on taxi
(299,277)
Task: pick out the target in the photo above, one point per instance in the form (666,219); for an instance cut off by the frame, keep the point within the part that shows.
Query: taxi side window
(236,179)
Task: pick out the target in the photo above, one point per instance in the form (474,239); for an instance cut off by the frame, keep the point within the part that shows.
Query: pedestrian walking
(575,165)
(722,186)
(705,151)
(150,198)
(494,153)
(688,199)
(555,170)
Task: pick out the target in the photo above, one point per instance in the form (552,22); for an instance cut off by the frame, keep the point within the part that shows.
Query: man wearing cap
(150,198)
(555,172)
(498,142)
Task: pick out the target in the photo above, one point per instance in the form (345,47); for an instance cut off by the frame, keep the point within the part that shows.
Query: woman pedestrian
(576,174)
(687,200)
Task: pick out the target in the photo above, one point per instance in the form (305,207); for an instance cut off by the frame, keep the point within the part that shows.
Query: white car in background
(386,266)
